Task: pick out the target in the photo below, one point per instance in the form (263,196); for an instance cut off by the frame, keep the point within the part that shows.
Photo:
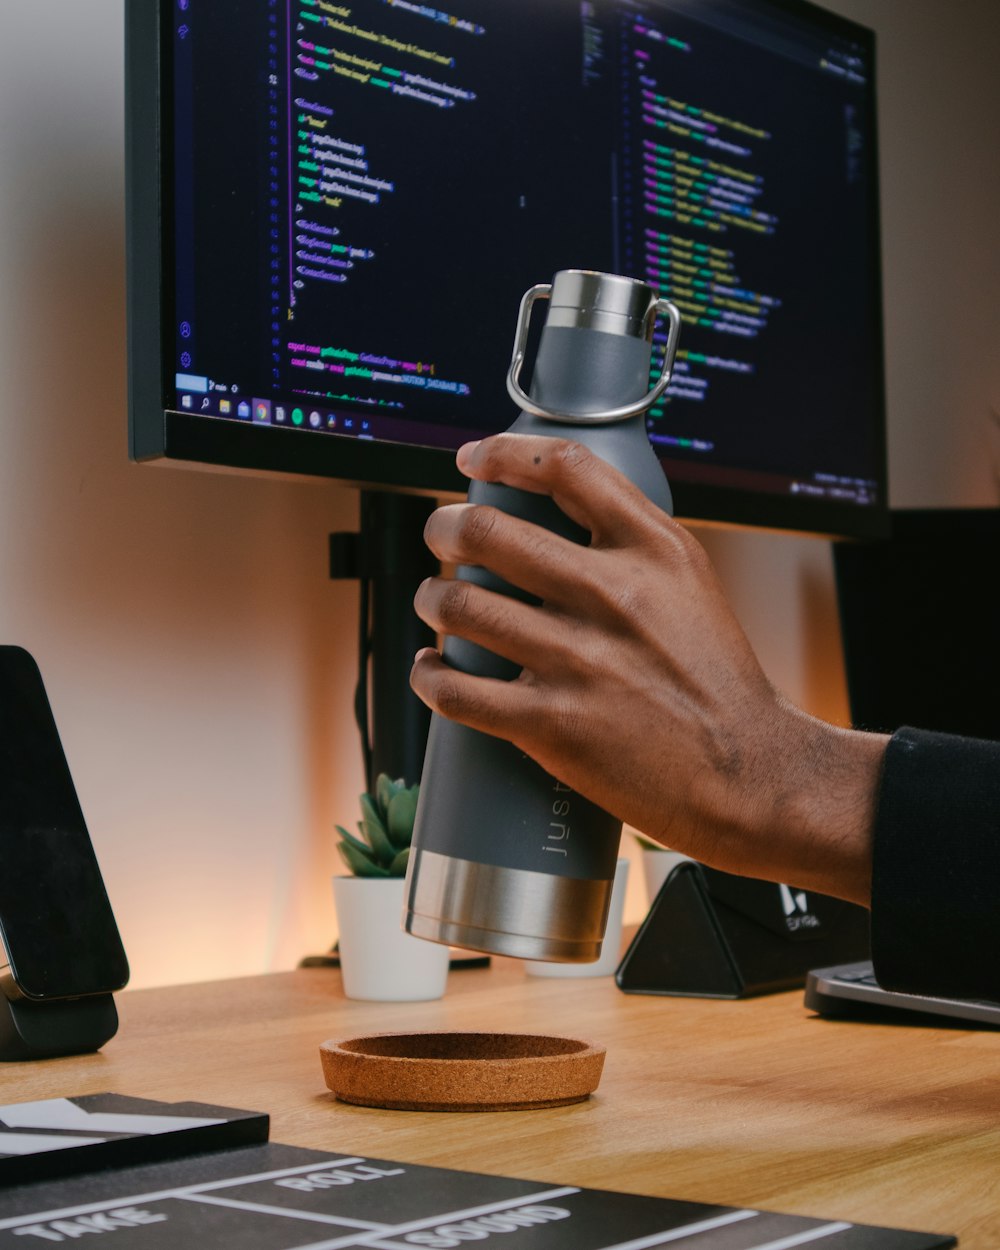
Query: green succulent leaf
(385,829)
(385,788)
(369,810)
(400,817)
(375,831)
(398,866)
(360,864)
(647,845)
(362,847)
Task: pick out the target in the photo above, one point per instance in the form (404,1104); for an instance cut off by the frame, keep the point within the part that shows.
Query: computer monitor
(334,207)
(920,622)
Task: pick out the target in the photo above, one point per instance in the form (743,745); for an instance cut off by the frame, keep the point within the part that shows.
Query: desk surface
(755,1103)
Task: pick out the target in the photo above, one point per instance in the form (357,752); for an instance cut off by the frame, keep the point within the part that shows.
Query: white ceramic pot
(378,960)
(656,867)
(611,948)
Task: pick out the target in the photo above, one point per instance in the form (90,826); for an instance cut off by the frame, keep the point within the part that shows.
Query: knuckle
(571,459)
(565,723)
(458,699)
(448,697)
(453,604)
(683,546)
(627,599)
(477,527)
(618,589)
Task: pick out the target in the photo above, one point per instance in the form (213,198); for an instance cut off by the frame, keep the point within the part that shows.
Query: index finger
(588,489)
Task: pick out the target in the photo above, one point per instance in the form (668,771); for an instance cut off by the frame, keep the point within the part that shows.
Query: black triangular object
(711,934)
(679,949)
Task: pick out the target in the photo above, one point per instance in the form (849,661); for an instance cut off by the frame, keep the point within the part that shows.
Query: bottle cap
(602,301)
(582,299)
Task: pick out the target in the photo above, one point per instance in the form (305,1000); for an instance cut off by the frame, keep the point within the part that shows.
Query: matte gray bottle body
(505,858)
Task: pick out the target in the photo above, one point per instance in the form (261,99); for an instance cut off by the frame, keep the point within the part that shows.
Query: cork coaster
(461,1071)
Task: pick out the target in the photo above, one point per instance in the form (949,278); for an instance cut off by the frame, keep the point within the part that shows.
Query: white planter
(656,867)
(611,948)
(378,960)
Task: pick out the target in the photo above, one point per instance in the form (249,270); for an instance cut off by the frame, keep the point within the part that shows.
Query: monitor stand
(390,559)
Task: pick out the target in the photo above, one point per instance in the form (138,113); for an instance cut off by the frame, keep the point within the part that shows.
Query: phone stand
(710,934)
(64,954)
(45,1030)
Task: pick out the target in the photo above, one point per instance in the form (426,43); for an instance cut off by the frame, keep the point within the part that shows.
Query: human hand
(638,687)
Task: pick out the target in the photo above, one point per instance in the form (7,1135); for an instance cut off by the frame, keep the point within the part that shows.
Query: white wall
(198,660)
(199,663)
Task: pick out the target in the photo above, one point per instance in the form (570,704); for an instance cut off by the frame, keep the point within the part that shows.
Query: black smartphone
(56,922)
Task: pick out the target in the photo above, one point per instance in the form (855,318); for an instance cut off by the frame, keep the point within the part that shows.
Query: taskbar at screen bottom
(707,493)
(309,414)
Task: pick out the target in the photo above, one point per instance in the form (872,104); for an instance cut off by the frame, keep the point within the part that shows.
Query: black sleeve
(936,867)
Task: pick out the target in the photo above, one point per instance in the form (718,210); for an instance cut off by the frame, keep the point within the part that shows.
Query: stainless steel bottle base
(487,908)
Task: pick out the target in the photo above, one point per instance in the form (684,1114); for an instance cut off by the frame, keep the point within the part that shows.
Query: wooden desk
(755,1103)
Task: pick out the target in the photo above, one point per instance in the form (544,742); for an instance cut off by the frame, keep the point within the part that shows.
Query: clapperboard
(159,1176)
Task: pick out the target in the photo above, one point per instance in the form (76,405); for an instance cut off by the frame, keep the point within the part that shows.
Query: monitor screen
(336,205)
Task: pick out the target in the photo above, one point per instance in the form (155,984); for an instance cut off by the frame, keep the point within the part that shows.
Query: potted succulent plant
(378,960)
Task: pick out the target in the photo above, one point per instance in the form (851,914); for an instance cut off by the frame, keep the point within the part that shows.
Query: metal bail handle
(523,400)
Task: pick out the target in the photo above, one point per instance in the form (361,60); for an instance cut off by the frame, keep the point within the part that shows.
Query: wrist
(822,809)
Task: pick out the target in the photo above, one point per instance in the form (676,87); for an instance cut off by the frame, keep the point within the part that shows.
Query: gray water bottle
(505,858)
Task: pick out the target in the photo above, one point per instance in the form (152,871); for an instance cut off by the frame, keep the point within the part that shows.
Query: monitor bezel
(161,433)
